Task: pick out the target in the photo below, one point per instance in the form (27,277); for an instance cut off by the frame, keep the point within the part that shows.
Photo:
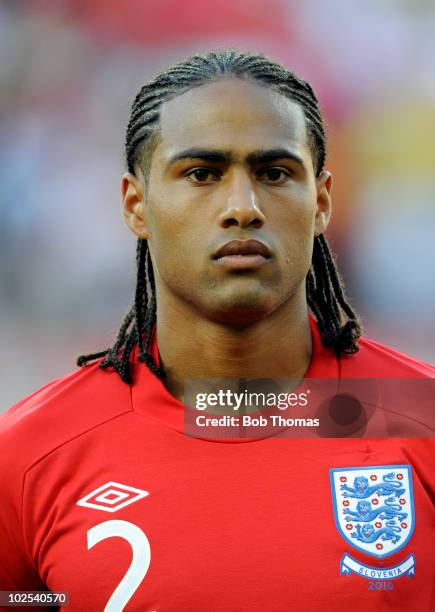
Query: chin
(240,312)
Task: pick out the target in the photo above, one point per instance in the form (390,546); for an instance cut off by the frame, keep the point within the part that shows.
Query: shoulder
(379,361)
(58,412)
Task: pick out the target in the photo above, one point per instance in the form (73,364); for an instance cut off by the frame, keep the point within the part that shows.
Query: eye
(201,175)
(275,175)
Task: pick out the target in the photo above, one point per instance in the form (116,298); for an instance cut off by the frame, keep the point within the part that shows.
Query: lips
(243,248)
(242,256)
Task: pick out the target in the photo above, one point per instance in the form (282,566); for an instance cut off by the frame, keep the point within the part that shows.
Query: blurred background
(69,71)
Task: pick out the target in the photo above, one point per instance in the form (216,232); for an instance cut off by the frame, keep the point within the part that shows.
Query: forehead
(234,115)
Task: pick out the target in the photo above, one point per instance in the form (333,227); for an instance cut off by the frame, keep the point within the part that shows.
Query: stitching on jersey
(35,463)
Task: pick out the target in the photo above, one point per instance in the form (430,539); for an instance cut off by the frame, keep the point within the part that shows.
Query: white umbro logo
(111,497)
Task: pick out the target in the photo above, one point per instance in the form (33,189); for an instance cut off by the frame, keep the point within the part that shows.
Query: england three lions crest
(374,507)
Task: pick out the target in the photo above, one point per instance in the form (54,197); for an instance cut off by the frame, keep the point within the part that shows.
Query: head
(363,507)
(367,530)
(360,483)
(221,147)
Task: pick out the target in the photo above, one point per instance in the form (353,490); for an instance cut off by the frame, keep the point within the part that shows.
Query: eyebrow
(218,156)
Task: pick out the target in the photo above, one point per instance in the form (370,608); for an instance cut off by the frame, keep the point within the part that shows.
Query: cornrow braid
(339,325)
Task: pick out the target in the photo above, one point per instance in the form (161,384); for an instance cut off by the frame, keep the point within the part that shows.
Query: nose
(241,206)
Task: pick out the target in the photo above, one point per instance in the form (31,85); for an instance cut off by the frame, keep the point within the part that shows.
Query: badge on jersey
(374,513)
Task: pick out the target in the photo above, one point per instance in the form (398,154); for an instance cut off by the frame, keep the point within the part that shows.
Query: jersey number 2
(139,564)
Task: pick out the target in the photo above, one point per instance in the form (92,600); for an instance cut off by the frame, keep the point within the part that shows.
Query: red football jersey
(105,498)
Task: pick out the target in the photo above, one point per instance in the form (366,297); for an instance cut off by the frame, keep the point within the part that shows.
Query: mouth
(242,254)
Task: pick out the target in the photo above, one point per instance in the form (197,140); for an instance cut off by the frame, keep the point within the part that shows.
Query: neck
(278,346)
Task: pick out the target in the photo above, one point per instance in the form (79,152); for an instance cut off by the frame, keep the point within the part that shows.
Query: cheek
(181,219)
(297,203)
(298,219)
(173,244)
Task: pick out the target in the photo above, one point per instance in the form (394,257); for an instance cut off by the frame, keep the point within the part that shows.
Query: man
(105,498)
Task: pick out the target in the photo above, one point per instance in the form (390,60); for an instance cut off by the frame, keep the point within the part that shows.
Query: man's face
(232,164)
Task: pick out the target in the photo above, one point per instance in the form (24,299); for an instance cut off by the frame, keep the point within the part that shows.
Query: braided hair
(339,325)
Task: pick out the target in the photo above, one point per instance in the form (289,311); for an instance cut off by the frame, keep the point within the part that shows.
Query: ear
(133,204)
(324,204)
